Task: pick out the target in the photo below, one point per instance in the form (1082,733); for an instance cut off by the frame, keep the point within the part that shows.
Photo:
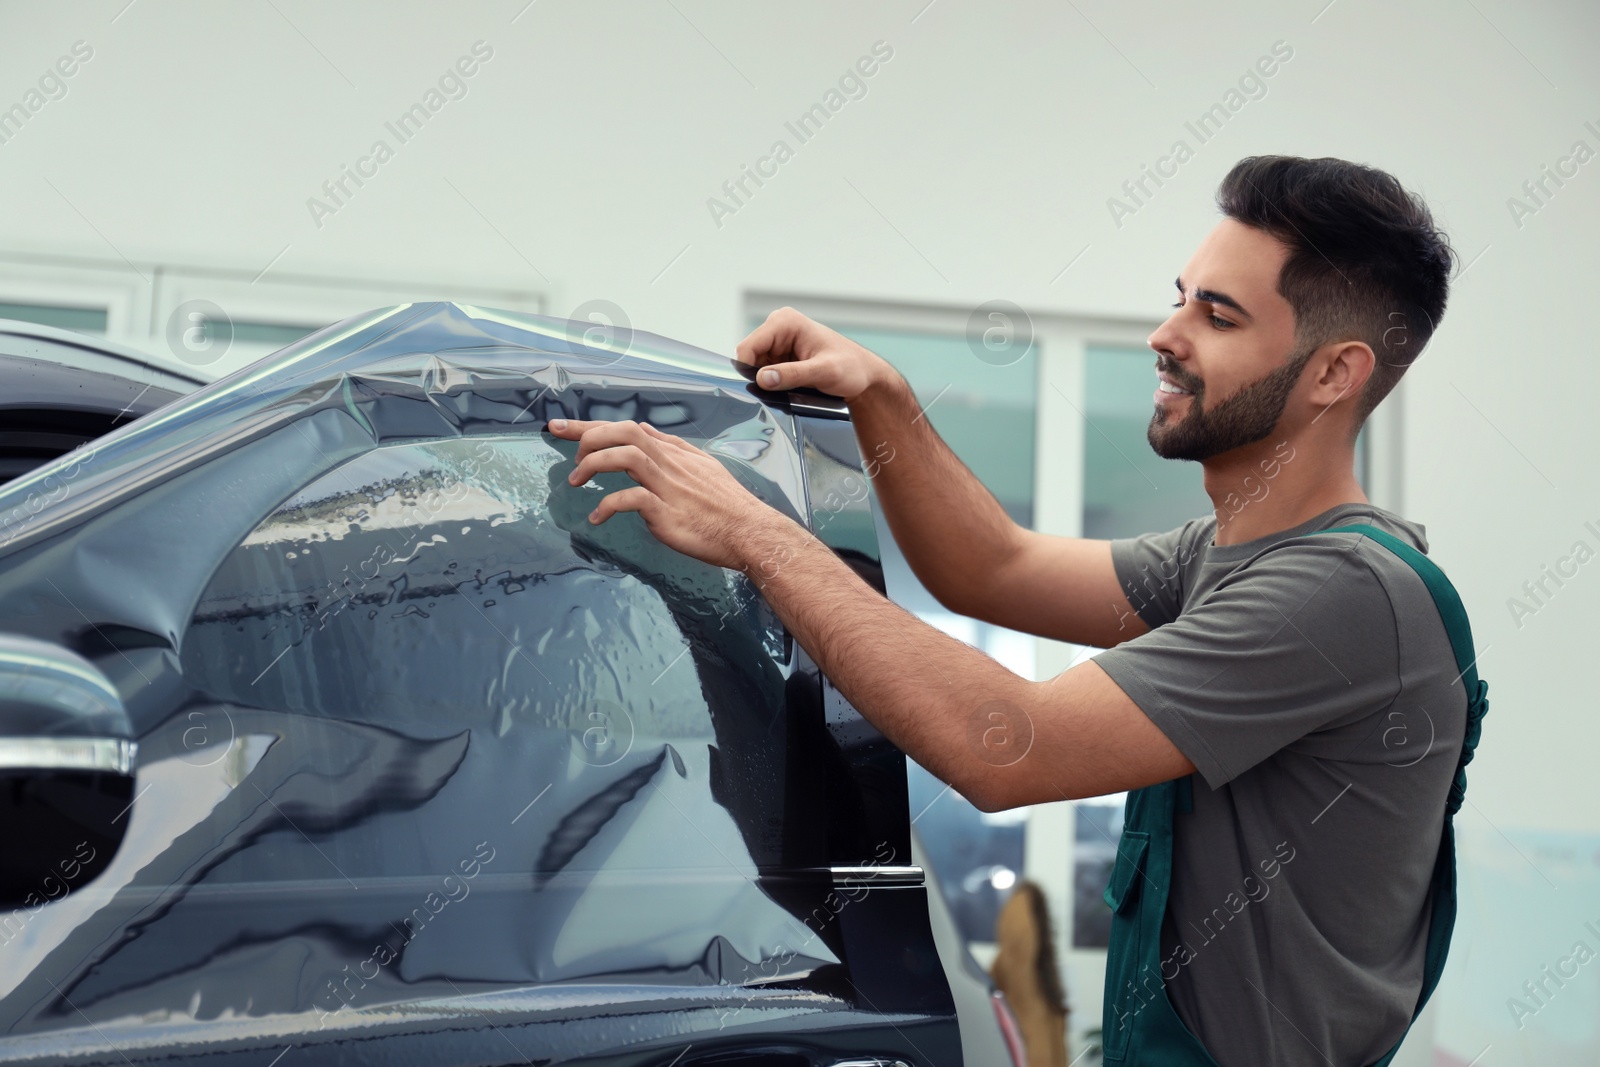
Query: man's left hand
(687,498)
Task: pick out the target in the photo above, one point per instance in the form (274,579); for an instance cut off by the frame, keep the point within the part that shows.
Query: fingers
(776,339)
(662,435)
(758,347)
(635,498)
(786,376)
(630,458)
(791,350)
(572,429)
(595,434)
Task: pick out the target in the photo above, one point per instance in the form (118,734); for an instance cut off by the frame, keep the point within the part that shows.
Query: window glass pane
(451,685)
(435,588)
(1098,824)
(985,413)
(90,320)
(1127,488)
(977,856)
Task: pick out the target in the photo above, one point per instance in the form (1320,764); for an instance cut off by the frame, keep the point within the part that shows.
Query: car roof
(64,389)
(392,358)
(93,355)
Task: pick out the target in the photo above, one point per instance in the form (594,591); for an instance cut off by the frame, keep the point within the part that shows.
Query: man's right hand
(801,351)
(965,548)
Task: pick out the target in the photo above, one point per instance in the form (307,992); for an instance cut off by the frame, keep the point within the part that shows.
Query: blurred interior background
(999,208)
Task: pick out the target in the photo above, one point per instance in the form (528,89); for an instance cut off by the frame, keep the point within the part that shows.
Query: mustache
(1179,376)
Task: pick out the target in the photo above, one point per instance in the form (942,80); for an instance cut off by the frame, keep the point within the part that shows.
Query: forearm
(950,528)
(955,710)
(934,697)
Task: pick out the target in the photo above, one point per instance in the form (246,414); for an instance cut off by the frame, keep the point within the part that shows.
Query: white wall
(978,165)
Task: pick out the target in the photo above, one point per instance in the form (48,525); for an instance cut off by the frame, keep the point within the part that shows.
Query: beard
(1248,416)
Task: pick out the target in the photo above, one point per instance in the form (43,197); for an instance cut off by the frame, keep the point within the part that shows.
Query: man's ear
(1345,368)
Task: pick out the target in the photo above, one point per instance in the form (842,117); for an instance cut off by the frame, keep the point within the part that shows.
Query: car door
(429,765)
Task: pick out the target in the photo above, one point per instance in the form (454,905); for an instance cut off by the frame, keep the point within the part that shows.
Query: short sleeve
(1300,639)
(1150,570)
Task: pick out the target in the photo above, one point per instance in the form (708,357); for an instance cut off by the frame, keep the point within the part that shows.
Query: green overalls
(1139,1026)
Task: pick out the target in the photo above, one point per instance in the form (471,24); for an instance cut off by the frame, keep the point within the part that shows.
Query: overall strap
(1454,615)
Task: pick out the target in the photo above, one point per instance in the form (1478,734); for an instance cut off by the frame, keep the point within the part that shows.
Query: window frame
(139,297)
(123,292)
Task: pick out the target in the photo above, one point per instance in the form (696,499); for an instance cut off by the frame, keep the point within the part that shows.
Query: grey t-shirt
(1312,684)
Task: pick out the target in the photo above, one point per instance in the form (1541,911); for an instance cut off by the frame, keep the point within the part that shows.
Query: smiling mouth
(1168,387)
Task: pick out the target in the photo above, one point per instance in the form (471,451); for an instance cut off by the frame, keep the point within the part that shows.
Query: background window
(91,320)
(1127,488)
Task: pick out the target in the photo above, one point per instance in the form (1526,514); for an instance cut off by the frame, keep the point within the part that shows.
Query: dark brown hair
(1046,972)
(1365,263)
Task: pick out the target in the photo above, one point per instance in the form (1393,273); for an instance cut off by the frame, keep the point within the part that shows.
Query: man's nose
(1166,341)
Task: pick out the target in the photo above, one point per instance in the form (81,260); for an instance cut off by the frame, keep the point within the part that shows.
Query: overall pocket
(1123,999)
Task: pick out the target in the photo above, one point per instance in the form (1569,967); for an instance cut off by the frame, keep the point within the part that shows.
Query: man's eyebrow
(1211,296)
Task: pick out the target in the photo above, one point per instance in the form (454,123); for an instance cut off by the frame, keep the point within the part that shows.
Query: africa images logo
(851,85)
(1252,85)
(452,85)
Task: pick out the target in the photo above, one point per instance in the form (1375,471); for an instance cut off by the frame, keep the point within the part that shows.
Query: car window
(439,586)
(425,590)
(463,736)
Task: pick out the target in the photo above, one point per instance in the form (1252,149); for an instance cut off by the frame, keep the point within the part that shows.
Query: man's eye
(1216,320)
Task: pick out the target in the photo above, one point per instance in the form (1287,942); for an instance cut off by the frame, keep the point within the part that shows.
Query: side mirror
(66,771)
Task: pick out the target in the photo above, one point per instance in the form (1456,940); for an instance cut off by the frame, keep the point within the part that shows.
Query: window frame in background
(140,298)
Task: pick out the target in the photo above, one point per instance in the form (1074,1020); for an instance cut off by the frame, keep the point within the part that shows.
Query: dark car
(60,390)
(428,769)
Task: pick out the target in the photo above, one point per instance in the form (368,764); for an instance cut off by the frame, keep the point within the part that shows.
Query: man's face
(1224,347)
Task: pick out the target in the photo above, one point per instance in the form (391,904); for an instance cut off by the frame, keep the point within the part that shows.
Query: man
(1307,680)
